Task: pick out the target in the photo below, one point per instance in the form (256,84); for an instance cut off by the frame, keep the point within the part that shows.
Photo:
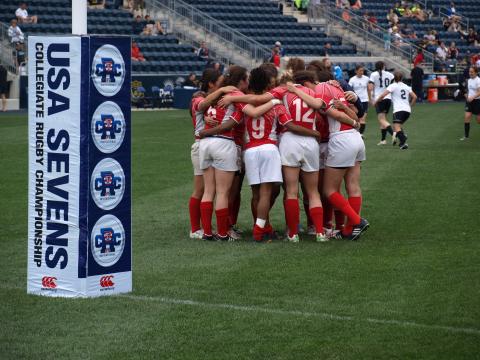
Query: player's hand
(350,96)
(227,89)
(225,101)
(201,134)
(291,87)
(210,121)
(356,125)
(339,105)
(469,99)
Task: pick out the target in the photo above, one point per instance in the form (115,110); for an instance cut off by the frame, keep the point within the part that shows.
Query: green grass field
(409,289)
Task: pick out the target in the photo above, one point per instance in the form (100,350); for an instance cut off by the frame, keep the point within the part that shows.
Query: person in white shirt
(442,51)
(359,83)
(403,99)
(472,105)
(15,33)
(22,14)
(379,81)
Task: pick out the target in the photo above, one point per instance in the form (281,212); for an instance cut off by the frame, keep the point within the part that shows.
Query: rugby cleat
(208,237)
(197,234)
(226,238)
(311,230)
(404,147)
(236,229)
(234,233)
(321,238)
(463,138)
(358,230)
(383,142)
(293,239)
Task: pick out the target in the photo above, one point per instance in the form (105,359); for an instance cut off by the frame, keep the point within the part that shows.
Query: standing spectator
(20,54)
(138,25)
(275,59)
(328,49)
(419,58)
(3,86)
(136,53)
(96,4)
(191,81)
(22,15)
(202,52)
(387,40)
(282,49)
(417,81)
(15,32)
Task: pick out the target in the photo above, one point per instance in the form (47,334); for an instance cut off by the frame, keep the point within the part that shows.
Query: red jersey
(300,112)
(322,126)
(263,130)
(238,129)
(222,115)
(328,93)
(197,116)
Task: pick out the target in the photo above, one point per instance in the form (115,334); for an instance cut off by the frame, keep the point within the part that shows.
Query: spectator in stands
(191,81)
(441,52)
(417,81)
(282,49)
(452,12)
(136,53)
(452,51)
(202,52)
(3,87)
(471,37)
(154,27)
(275,59)
(217,66)
(96,4)
(20,55)
(344,4)
(399,9)
(392,17)
(372,19)
(138,25)
(15,33)
(328,49)
(22,15)
(418,13)
(355,4)
(387,40)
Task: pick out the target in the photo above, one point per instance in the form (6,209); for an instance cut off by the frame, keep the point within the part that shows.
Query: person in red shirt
(276,56)
(136,53)
(419,58)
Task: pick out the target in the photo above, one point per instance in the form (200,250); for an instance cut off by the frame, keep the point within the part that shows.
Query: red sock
(327,214)
(307,213)
(317,217)
(233,210)
(339,219)
(194,209)
(206,211)
(356,204)
(340,203)
(292,215)
(222,221)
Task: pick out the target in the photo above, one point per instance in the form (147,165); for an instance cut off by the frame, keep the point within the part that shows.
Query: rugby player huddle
(298,129)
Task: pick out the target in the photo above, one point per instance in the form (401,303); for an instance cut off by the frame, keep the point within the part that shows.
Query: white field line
(297,313)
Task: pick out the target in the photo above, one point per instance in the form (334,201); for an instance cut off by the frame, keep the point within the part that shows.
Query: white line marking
(259,309)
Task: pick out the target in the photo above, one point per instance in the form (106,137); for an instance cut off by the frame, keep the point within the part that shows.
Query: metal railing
(7,57)
(184,17)
(464,21)
(369,32)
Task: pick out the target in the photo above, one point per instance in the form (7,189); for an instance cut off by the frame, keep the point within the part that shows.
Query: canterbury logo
(49,282)
(106,281)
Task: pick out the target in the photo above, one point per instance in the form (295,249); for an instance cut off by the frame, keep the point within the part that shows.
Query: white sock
(260,223)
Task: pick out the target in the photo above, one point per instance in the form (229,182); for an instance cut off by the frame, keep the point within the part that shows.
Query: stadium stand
(164,53)
(249,17)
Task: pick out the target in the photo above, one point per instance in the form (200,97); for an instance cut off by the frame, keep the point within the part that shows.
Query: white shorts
(195,156)
(345,148)
(222,154)
(263,165)
(323,154)
(299,151)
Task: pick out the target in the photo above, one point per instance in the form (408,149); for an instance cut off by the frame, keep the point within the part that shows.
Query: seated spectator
(452,12)
(418,13)
(328,49)
(441,52)
(191,81)
(154,27)
(452,51)
(430,38)
(471,37)
(136,53)
(202,52)
(399,9)
(372,19)
(454,26)
(355,4)
(15,33)
(22,15)
(138,25)
(392,17)
(96,4)
(343,4)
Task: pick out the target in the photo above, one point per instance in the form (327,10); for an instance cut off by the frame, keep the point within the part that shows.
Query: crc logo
(107,184)
(108,70)
(108,127)
(107,240)
(106,281)
(49,282)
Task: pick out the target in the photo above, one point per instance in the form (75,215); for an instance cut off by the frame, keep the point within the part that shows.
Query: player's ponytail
(209,76)
(379,66)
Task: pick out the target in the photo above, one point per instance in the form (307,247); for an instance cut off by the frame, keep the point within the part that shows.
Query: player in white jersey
(403,99)
(359,83)
(379,81)
(472,105)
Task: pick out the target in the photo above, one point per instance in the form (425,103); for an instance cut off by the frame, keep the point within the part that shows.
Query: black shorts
(473,107)
(365,106)
(400,117)
(3,88)
(383,106)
